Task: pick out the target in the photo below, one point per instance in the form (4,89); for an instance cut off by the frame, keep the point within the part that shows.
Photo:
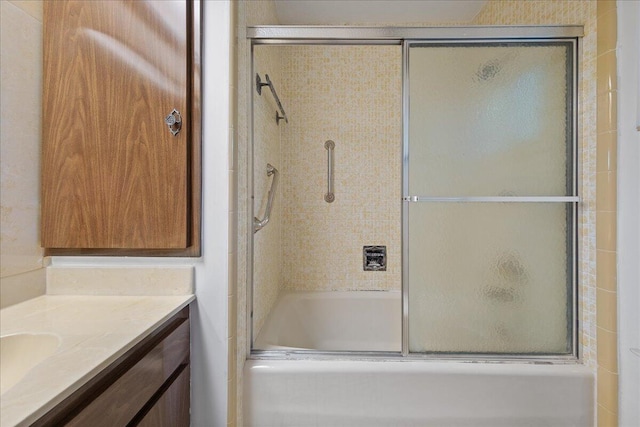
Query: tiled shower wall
(310,244)
(606,214)
(562,12)
(351,95)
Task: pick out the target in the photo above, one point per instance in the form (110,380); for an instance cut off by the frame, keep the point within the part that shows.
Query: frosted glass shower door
(490,198)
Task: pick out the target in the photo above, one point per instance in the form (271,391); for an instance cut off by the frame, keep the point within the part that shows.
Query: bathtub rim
(287,355)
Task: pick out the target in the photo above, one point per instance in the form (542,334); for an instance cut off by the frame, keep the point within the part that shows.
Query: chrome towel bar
(259,85)
(259,224)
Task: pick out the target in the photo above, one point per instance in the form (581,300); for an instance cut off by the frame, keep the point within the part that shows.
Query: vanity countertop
(93,331)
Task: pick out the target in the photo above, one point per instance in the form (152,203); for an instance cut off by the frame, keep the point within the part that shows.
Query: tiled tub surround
(93,330)
(351,95)
(606,210)
(310,244)
(507,12)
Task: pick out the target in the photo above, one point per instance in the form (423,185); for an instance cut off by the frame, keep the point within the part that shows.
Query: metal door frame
(407,37)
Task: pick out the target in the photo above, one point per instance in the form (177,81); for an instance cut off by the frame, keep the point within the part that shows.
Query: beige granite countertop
(93,331)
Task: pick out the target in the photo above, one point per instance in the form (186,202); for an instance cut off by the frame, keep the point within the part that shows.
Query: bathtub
(334,321)
(391,392)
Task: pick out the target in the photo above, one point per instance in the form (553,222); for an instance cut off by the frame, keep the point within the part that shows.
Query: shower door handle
(494,199)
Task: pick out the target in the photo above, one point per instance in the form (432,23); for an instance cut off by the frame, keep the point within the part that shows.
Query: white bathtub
(385,393)
(338,321)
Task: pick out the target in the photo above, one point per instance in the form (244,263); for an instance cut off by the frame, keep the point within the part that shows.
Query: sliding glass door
(490,197)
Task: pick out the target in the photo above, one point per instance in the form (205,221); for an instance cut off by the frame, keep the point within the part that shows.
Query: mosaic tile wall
(351,95)
(563,12)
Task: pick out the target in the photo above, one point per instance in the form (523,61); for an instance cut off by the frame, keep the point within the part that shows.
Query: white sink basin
(19,353)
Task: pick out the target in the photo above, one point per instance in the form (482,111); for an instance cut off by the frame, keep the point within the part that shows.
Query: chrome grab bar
(259,224)
(330,196)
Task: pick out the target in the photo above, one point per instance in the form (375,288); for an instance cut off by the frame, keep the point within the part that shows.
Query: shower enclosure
(424,201)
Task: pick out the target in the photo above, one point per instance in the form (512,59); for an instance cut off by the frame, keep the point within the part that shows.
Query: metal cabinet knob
(174,121)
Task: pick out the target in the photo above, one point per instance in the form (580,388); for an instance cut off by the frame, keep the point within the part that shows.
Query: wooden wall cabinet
(148,386)
(115,179)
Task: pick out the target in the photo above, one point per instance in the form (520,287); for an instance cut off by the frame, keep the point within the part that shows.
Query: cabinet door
(113,175)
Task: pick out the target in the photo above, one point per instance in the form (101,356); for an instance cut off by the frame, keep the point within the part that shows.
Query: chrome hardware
(260,224)
(174,121)
(495,199)
(259,86)
(330,196)
(374,258)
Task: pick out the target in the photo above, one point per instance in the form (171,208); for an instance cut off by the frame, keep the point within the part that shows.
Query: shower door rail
(299,34)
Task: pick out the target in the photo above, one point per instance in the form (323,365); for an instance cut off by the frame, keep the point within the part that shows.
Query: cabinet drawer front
(119,403)
(172,409)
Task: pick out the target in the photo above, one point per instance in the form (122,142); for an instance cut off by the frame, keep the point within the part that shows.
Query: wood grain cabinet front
(120,146)
(150,385)
(172,408)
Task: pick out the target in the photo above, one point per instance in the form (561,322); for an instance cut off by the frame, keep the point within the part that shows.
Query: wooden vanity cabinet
(172,409)
(148,386)
(116,178)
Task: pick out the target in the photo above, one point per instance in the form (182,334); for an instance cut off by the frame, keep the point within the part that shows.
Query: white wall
(210,332)
(21,272)
(629,211)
